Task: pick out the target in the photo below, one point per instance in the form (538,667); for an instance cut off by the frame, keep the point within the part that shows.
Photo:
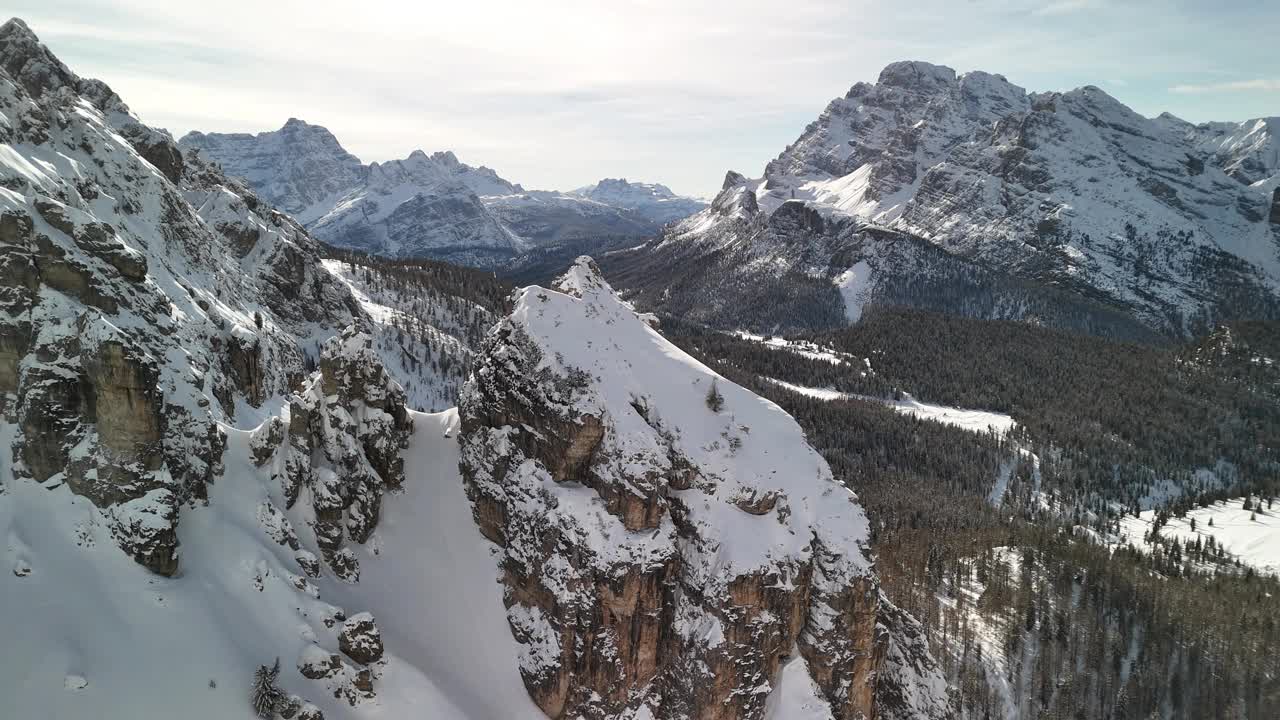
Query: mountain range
(217,501)
(428,205)
(965,193)
(261,455)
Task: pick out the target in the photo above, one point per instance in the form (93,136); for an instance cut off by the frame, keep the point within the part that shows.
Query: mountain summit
(965,192)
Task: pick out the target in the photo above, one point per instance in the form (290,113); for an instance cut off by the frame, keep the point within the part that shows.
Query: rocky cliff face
(146,298)
(1158,220)
(660,554)
(345,433)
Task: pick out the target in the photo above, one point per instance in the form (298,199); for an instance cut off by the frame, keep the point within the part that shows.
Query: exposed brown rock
(614,626)
(360,639)
(320,667)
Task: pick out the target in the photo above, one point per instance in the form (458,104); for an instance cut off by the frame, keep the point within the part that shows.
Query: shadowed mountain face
(1024,196)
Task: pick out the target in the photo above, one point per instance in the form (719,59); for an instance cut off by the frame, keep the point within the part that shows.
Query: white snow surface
(90,633)
(855,286)
(1255,542)
(979,421)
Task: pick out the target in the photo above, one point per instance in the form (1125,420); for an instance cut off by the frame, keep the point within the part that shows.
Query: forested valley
(1009,546)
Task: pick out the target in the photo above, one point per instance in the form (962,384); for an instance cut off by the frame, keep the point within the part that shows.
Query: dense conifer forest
(1035,605)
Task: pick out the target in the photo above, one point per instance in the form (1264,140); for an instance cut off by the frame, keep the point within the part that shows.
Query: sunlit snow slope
(92,634)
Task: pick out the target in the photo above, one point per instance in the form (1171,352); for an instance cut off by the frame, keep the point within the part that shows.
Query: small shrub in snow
(715,401)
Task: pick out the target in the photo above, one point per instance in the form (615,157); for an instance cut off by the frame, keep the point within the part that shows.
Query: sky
(556,94)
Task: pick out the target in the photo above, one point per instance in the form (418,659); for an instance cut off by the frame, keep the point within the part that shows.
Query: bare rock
(360,639)
(316,663)
(347,429)
(266,440)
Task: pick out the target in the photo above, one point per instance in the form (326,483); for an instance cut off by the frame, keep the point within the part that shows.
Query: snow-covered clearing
(803,348)
(1256,542)
(979,421)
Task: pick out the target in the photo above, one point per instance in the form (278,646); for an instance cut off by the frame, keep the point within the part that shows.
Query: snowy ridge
(692,509)
(584,327)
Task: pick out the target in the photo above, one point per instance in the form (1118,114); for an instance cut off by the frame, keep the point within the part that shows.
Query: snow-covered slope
(421,206)
(1248,151)
(652,200)
(1172,224)
(979,421)
(102,637)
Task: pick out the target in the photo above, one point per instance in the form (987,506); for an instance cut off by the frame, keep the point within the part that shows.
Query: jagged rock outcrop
(360,639)
(658,553)
(346,430)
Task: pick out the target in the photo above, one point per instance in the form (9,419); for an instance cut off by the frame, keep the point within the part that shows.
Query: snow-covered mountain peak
(917,75)
(615,471)
(1065,187)
(301,167)
(651,200)
(584,280)
(1248,151)
(428,205)
(439,168)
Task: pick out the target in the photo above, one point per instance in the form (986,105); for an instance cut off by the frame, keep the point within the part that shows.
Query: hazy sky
(557,93)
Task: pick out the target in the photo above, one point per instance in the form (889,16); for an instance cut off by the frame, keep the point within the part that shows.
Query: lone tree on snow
(266,695)
(715,401)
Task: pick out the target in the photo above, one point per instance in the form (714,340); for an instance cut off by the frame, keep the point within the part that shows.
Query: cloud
(1257,85)
(559,93)
(1065,7)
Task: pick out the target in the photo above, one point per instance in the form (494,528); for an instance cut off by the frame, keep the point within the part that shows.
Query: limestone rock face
(346,430)
(657,554)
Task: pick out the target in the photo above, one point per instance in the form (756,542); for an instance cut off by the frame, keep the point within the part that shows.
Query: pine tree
(266,694)
(715,401)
